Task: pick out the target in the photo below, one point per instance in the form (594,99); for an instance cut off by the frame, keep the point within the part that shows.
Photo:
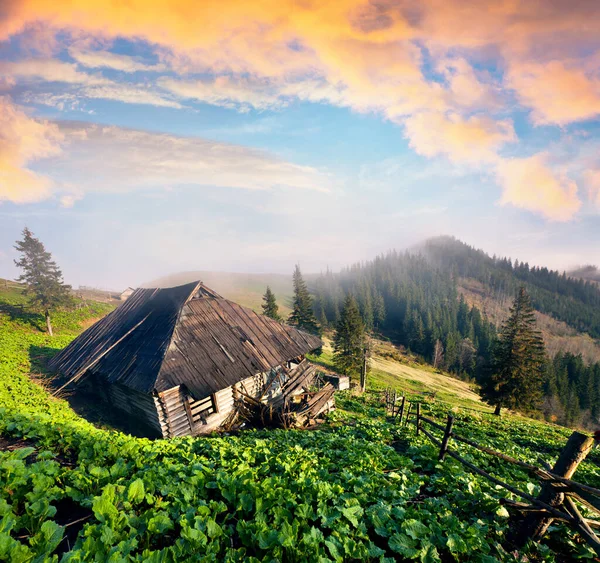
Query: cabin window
(202,409)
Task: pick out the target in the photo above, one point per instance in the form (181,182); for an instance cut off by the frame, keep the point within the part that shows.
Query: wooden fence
(558,493)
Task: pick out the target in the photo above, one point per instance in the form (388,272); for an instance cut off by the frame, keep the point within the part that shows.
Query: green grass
(360,488)
(404,374)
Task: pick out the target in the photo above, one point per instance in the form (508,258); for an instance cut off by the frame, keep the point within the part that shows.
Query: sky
(147,137)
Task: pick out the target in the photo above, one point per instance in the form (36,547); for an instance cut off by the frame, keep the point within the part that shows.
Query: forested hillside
(573,300)
(425,295)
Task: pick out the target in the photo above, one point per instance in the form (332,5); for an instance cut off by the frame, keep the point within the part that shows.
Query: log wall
(175,413)
(172,406)
(134,406)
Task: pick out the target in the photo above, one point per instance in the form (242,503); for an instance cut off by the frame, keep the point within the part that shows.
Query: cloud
(242,93)
(24,140)
(591,180)
(93,86)
(373,52)
(108,159)
(114,61)
(130,94)
(474,139)
(466,89)
(557,94)
(448,72)
(50,70)
(529,183)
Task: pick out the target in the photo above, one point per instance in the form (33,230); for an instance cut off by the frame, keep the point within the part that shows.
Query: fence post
(402,407)
(407,413)
(534,526)
(447,434)
(363,373)
(418,418)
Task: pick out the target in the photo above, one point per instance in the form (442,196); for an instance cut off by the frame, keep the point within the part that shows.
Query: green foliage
(349,339)
(346,492)
(519,358)
(302,315)
(572,391)
(269,306)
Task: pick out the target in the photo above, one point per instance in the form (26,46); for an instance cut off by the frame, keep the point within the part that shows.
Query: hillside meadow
(360,487)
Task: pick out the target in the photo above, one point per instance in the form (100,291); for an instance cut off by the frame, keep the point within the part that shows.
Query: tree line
(413,300)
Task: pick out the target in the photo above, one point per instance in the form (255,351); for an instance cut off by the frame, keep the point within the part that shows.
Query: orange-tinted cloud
(411,62)
(529,183)
(368,48)
(558,94)
(370,51)
(22,141)
(475,139)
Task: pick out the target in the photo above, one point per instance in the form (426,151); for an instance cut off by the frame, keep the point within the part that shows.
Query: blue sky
(137,146)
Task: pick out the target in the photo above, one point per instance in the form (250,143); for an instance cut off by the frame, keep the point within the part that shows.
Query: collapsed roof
(187,335)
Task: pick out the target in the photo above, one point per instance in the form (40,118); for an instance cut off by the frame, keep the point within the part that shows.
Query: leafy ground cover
(361,488)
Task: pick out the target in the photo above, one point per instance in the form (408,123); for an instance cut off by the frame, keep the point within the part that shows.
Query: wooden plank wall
(223,402)
(181,415)
(173,414)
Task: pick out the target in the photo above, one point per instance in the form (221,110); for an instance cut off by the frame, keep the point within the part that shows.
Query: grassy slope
(390,368)
(360,488)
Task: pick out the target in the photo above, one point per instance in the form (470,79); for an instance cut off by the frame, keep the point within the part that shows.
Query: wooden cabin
(169,359)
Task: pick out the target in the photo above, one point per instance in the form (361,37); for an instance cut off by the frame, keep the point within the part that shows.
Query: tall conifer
(302,315)
(269,306)
(517,371)
(42,276)
(349,340)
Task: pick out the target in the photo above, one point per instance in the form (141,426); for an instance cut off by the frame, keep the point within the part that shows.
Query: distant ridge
(245,289)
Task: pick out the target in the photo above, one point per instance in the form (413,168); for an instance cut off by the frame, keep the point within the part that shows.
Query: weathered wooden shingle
(187,335)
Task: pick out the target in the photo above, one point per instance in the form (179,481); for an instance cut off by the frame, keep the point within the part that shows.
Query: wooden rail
(555,502)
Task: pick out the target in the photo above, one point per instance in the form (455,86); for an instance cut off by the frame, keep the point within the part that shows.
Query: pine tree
(349,340)
(378,310)
(302,315)
(269,306)
(518,363)
(42,276)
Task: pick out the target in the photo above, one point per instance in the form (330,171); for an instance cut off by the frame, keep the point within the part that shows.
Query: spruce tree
(349,340)
(517,371)
(378,310)
(302,315)
(42,276)
(269,306)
